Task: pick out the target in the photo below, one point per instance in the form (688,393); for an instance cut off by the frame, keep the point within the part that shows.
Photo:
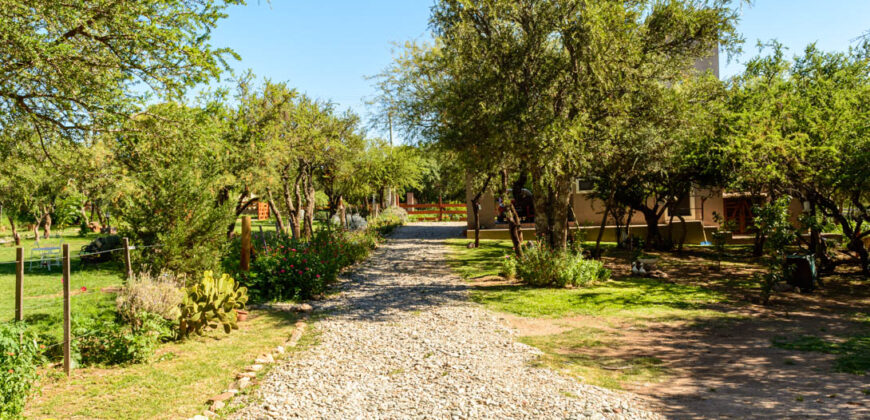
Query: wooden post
(245,261)
(440,209)
(19,284)
(128,273)
(67,336)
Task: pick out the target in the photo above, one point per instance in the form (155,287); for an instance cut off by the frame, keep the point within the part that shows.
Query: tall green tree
(78,66)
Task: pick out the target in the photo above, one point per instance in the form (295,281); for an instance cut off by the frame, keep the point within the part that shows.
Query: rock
(279,350)
(249,375)
(265,359)
(209,414)
(221,397)
(217,405)
(304,308)
(243,383)
(254,368)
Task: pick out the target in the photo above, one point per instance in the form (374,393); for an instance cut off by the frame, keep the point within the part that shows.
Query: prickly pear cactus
(211,303)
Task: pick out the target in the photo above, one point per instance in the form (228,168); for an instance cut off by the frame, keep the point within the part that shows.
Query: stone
(209,414)
(243,383)
(304,308)
(217,405)
(221,397)
(279,350)
(254,368)
(265,359)
(248,375)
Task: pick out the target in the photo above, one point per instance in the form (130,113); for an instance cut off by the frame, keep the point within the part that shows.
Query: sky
(326,48)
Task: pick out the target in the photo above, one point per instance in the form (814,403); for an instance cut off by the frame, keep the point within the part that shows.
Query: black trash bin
(801,272)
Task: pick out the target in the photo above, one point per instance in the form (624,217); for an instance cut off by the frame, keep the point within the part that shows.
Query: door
(740,211)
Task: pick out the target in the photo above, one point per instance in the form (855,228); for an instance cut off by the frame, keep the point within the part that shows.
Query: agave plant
(210,303)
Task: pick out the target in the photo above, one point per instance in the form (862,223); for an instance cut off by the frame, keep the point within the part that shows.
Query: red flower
(84,289)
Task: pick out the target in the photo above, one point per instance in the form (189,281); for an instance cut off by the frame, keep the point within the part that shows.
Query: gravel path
(403,341)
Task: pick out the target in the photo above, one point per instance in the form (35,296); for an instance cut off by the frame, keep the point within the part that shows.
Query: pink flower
(293,249)
(282,271)
(318,276)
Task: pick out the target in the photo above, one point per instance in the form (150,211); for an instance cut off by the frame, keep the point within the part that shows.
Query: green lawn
(621,303)
(176,385)
(626,298)
(43,289)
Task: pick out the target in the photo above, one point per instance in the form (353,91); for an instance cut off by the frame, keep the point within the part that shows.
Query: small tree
(773,220)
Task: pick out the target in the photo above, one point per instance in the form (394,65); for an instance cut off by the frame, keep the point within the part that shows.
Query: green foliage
(211,302)
(78,65)
(853,353)
(107,342)
(290,268)
(20,357)
(543,267)
(173,189)
(772,220)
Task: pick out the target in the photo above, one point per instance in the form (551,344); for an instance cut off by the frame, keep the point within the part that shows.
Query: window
(683,206)
(585,185)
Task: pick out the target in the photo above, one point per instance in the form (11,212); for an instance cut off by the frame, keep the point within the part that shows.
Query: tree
(540,78)
(175,164)
(800,128)
(79,66)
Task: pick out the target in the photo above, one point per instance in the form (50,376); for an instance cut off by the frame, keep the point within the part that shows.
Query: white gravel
(403,341)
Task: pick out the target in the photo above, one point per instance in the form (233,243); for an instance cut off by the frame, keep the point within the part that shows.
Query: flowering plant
(20,355)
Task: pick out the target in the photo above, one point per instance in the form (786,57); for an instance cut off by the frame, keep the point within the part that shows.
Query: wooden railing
(435,211)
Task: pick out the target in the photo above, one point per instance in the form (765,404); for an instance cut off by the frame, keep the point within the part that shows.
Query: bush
(295,269)
(19,360)
(159,295)
(210,303)
(388,220)
(102,342)
(543,267)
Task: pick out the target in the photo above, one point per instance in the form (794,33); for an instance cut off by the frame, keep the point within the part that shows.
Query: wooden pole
(67,336)
(19,284)
(245,261)
(128,273)
(440,209)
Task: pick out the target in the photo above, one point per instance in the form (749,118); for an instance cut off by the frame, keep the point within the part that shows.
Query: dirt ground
(730,369)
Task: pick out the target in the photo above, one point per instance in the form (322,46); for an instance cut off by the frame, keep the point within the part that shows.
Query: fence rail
(65,257)
(436,211)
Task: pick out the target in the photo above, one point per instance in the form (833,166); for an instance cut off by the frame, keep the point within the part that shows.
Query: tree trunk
(515,226)
(551,212)
(309,206)
(275,211)
(15,234)
(758,244)
(342,212)
(292,209)
(475,209)
(653,235)
(241,206)
(46,224)
(685,232)
(597,253)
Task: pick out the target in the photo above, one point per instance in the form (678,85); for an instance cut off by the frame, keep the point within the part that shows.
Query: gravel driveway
(403,341)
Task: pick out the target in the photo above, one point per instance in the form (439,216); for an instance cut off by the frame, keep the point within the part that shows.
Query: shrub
(508,266)
(541,266)
(104,342)
(19,359)
(772,220)
(294,269)
(159,295)
(210,303)
(388,220)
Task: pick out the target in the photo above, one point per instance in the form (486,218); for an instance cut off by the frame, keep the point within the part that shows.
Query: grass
(853,352)
(43,289)
(582,352)
(627,298)
(176,385)
(574,352)
(479,262)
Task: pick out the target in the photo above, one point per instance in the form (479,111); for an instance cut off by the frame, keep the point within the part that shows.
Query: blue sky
(326,48)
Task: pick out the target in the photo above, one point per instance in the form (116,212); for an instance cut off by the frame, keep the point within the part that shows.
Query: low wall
(695,232)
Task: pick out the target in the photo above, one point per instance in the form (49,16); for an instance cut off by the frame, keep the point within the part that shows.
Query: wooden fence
(67,295)
(436,211)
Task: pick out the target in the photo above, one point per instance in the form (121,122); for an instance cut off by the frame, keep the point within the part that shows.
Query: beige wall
(488,209)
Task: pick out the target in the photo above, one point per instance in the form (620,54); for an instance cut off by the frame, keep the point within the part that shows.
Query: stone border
(245,379)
